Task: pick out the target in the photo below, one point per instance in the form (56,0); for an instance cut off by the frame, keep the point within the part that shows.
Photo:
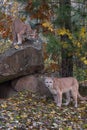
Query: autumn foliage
(43,11)
(5,26)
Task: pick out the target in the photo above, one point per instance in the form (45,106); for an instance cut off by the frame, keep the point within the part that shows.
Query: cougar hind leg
(67,98)
(74,95)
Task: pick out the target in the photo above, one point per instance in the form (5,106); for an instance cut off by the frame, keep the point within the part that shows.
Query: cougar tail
(81,97)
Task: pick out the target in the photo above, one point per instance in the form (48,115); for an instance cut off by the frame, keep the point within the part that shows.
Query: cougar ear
(44,77)
(52,77)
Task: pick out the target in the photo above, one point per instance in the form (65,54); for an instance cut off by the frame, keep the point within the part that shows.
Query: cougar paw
(58,105)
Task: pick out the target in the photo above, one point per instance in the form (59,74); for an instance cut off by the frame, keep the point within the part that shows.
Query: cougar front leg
(55,98)
(19,38)
(20,35)
(59,98)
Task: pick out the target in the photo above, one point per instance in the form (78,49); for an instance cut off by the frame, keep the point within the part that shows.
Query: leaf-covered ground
(27,111)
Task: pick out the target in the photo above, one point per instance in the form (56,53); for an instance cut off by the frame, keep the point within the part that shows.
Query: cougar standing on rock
(19,29)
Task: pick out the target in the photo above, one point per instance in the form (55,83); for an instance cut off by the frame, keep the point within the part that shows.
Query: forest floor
(26,111)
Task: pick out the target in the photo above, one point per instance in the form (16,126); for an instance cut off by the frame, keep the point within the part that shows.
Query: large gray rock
(32,83)
(28,59)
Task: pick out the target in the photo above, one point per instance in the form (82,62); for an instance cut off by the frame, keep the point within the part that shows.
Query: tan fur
(19,29)
(58,86)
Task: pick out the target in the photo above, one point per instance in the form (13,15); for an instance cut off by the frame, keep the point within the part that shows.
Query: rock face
(25,83)
(32,83)
(28,59)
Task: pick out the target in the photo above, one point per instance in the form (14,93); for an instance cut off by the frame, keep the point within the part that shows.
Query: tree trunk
(67,64)
(67,61)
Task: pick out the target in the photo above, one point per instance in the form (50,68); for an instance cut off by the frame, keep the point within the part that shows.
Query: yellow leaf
(83,58)
(69,128)
(83,32)
(4,105)
(48,25)
(16,47)
(65,45)
(85,62)
(53,112)
(78,44)
(60,128)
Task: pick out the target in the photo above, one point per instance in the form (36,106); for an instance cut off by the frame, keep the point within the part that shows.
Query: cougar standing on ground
(58,86)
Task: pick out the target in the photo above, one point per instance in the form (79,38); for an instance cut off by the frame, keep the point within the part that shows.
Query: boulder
(32,83)
(28,82)
(27,59)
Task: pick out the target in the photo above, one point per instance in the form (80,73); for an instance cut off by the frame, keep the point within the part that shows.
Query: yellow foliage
(53,112)
(83,58)
(65,45)
(45,24)
(16,47)
(83,32)
(48,25)
(79,44)
(51,65)
(64,31)
(60,128)
(85,62)
(14,9)
(77,41)
(4,105)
